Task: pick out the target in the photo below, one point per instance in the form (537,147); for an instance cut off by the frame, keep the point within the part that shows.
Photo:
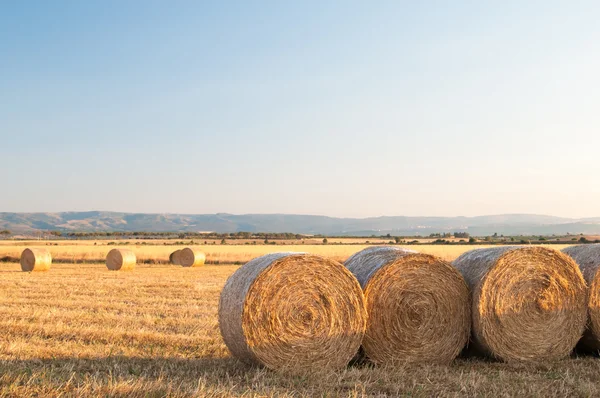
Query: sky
(338,108)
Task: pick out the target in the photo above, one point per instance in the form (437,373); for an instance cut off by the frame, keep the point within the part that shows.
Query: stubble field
(80,330)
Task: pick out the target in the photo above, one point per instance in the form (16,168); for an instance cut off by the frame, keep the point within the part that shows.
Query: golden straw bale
(174,258)
(293,312)
(588,259)
(418,306)
(189,257)
(36,260)
(529,303)
(120,260)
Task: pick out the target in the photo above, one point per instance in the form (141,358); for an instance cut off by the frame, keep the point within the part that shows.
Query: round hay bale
(293,312)
(174,257)
(35,260)
(588,259)
(529,303)
(418,306)
(191,258)
(120,260)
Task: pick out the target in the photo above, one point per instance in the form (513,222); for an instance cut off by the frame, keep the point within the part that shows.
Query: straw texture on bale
(418,306)
(35,260)
(588,259)
(529,303)
(120,260)
(174,258)
(293,312)
(191,258)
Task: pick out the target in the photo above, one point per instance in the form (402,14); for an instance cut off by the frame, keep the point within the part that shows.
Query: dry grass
(80,330)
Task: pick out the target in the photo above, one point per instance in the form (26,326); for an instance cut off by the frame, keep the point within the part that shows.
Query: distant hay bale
(529,303)
(418,306)
(588,259)
(36,260)
(174,258)
(293,312)
(120,260)
(191,257)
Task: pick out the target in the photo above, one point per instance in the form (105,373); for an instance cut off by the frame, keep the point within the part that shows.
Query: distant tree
(583,239)
(397,239)
(223,241)
(324,241)
(5,232)
(472,240)
(266,241)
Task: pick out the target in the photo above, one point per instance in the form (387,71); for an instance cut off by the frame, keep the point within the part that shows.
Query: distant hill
(507,224)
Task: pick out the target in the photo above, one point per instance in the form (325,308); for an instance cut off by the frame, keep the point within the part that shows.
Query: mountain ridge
(95,221)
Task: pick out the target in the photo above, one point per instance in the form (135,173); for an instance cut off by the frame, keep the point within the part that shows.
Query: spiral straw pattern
(191,257)
(35,260)
(120,260)
(418,306)
(293,312)
(529,303)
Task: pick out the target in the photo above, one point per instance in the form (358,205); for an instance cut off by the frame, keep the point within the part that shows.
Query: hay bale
(418,306)
(174,257)
(529,303)
(120,259)
(191,257)
(293,311)
(36,260)
(588,259)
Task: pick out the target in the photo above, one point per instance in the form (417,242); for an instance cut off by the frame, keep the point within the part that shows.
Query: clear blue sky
(341,108)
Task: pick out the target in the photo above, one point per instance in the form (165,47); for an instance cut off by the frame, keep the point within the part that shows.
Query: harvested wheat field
(95,251)
(81,330)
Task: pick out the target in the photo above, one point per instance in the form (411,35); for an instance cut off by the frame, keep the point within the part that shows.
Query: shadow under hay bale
(588,259)
(35,260)
(293,312)
(418,306)
(529,303)
(120,260)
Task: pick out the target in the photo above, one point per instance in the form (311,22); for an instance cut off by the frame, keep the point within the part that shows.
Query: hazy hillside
(113,221)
